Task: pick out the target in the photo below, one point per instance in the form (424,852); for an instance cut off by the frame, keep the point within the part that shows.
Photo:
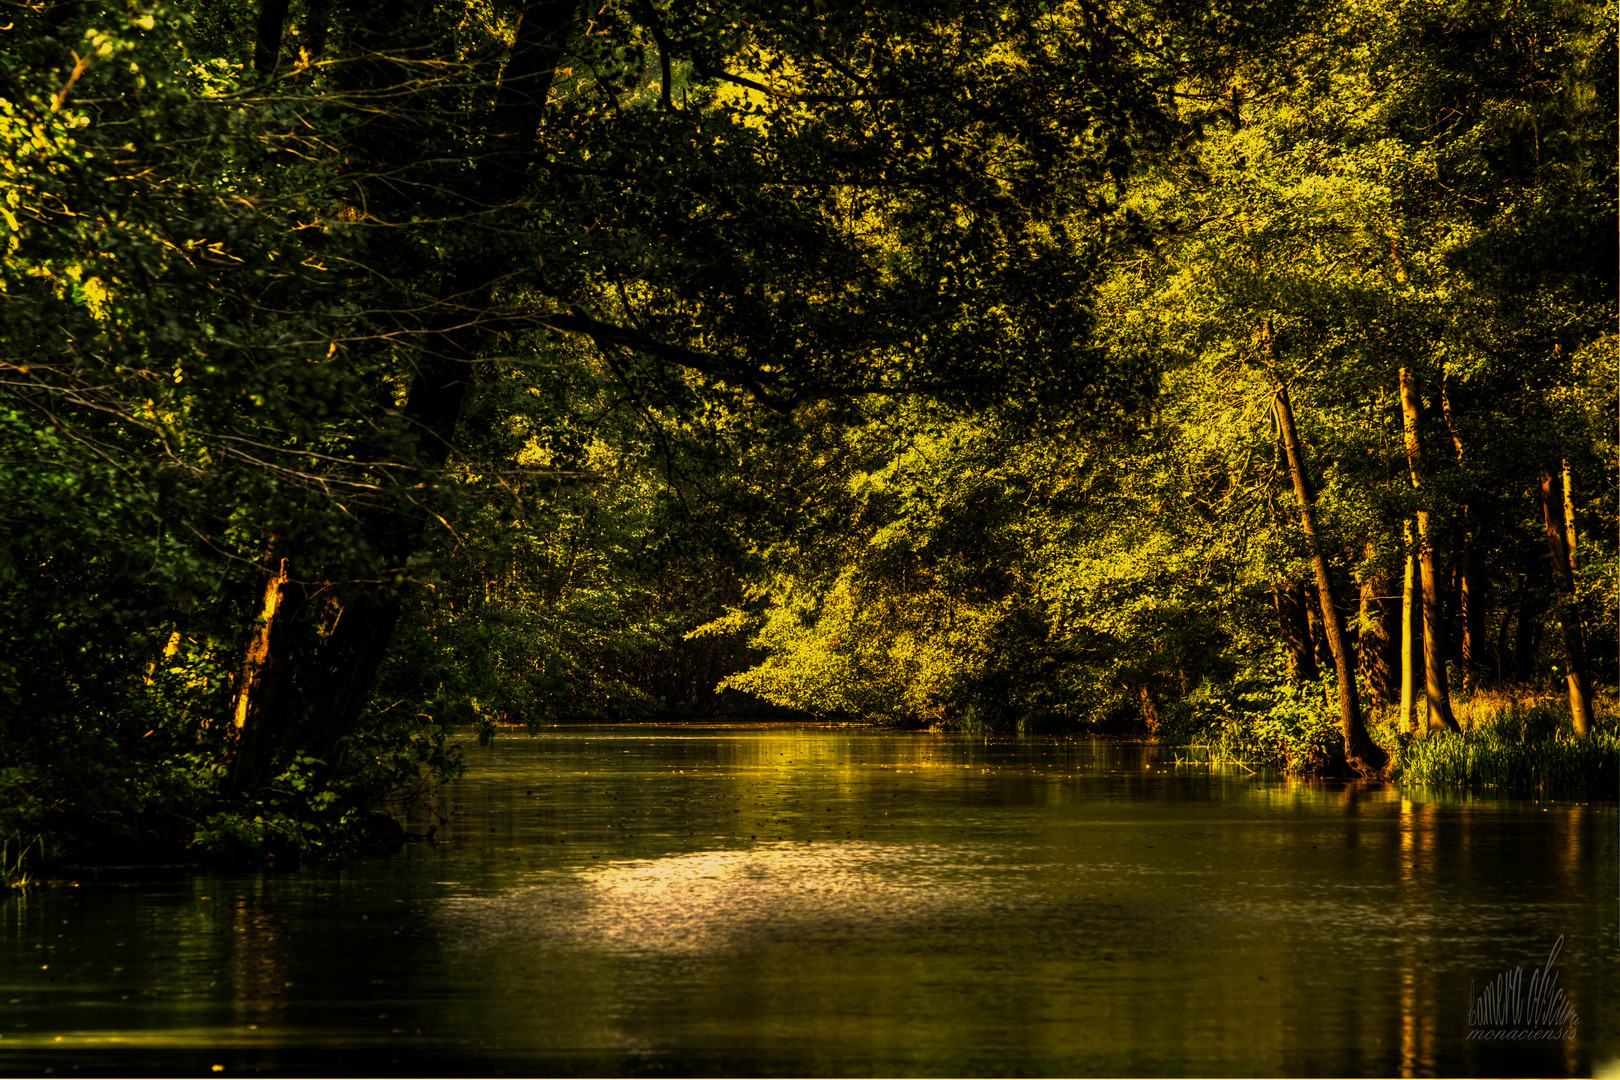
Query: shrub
(1259,720)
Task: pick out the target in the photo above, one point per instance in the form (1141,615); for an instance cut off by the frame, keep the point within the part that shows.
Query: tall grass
(15,853)
(1520,746)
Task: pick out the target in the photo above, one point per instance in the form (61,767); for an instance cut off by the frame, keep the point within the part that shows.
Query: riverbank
(1517,745)
(1518,742)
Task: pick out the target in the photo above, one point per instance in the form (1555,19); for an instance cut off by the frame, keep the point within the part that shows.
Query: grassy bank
(1513,744)
(1516,741)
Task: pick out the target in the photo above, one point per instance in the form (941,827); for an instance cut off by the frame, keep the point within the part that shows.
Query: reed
(15,854)
(1517,745)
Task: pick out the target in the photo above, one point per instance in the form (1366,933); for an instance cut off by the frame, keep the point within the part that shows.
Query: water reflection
(837,902)
(730,899)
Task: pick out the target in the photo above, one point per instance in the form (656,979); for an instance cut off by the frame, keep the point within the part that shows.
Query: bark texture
(1470,617)
(1290,601)
(1435,684)
(261,684)
(1411,635)
(1557,520)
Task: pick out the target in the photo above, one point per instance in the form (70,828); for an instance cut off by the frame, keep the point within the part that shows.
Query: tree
(729,206)
(1361,752)
(1322,201)
(1434,630)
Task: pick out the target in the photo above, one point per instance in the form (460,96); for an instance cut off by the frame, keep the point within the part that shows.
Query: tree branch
(657,28)
(607,335)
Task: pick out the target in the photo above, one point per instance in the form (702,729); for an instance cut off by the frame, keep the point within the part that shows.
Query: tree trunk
(1470,617)
(1150,711)
(1411,634)
(1289,600)
(342,678)
(1504,658)
(336,688)
(353,652)
(1526,644)
(1361,753)
(316,21)
(1557,520)
(262,681)
(1569,515)
(1434,630)
(1470,600)
(1378,649)
(1319,638)
(267,40)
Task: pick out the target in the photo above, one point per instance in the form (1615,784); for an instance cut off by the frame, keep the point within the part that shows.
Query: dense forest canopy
(371,368)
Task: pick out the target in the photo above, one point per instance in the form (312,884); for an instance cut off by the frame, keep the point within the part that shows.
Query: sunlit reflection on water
(710,900)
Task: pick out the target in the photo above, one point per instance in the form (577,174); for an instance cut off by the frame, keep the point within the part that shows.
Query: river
(669,900)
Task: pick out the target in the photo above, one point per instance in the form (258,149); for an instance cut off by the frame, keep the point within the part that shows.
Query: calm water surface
(678,900)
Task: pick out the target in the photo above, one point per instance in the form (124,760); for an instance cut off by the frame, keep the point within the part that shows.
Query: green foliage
(904,362)
(1258,720)
(296,815)
(1342,208)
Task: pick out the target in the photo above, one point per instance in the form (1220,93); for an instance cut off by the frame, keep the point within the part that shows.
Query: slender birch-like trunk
(1361,753)
(1557,520)
(1469,609)
(1434,631)
(1569,514)
(1411,634)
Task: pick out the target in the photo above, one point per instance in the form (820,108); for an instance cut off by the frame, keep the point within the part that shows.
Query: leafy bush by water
(1259,720)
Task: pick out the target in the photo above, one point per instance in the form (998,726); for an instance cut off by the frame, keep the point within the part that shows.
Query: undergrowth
(1508,743)
(1258,721)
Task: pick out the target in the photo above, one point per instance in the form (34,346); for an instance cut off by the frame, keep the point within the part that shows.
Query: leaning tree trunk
(261,683)
(1362,754)
(354,651)
(1557,519)
(1434,629)
(337,684)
